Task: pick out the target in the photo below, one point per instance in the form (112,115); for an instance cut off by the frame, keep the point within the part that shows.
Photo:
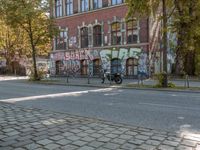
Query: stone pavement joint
(35,129)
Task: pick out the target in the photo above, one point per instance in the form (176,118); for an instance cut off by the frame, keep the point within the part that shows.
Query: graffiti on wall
(72,60)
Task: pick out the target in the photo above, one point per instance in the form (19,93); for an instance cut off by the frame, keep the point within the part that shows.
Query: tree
(12,43)
(146,7)
(32,17)
(185,23)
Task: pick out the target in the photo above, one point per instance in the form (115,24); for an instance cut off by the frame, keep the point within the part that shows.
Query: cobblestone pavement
(34,129)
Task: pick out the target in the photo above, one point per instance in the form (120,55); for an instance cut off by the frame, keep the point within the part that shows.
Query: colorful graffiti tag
(72,59)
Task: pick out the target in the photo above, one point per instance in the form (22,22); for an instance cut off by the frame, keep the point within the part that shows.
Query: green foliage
(160,79)
(33,18)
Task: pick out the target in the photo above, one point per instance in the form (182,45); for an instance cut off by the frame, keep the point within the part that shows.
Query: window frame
(69,7)
(60,41)
(58,8)
(97,35)
(99,4)
(116,32)
(116,2)
(86,5)
(133,28)
(84,37)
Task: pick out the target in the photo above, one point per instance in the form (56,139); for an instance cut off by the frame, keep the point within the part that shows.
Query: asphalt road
(171,111)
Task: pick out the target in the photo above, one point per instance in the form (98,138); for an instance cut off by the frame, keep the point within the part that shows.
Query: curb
(121,87)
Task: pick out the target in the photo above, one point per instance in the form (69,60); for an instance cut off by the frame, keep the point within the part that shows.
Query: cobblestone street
(34,129)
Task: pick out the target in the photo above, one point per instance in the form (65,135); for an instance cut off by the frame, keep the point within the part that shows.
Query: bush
(160,78)
(41,75)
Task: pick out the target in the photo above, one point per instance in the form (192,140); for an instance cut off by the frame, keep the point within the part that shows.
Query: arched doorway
(84,67)
(59,66)
(116,66)
(131,67)
(96,67)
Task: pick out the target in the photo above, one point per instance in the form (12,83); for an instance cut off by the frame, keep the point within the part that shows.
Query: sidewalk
(126,82)
(35,129)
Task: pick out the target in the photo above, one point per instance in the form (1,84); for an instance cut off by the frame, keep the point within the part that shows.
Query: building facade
(95,36)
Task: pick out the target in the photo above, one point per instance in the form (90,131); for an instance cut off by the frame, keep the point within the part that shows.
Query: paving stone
(103,139)
(198,147)
(189,143)
(147,147)
(128,146)
(73,138)
(111,135)
(171,143)
(182,147)
(68,134)
(32,146)
(142,137)
(44,142)
(86,148)
(79,143)
(159,138)
(19,149)
(118,141)
(63,142)
(88,139)
(153,142)
(95,144)
(51,146)
(131,133)
(69,147)
(96,135)
(56,138)
(36,129)
(166,147)
(125,137)
(136,141)
(111,146)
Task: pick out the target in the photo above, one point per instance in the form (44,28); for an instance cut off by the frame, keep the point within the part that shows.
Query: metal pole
(165,82)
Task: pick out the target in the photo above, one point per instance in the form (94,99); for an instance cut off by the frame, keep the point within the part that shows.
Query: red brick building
(95,35)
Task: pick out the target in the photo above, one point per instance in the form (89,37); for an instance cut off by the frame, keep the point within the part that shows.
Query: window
(84,37)
(131,67)
(84,67)
(69,7)
(97,35)
(116,33)
(115,2)
(116,66)
(59,66)
(61,43)
(97,4)
(84,5)
(132,32)
(96,67)
(58,8)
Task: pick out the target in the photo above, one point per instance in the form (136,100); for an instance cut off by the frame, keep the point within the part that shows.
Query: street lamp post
(165,80)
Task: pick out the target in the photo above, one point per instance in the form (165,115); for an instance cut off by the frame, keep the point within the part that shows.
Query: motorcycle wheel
(118,80)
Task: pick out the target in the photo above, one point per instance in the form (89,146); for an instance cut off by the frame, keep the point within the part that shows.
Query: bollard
(187,84)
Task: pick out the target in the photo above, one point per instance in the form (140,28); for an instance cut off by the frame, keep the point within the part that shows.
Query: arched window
(60,41)
(132,31)
(58,8)
(84,37)
(116,66)
(84,67)
(97,35)
(96,67)
(116,33)
(59,67)
(131,67)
